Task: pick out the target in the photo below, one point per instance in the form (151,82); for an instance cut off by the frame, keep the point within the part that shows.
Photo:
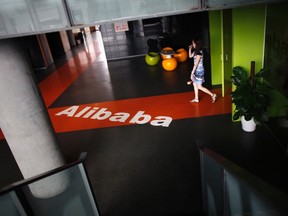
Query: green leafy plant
(250,95)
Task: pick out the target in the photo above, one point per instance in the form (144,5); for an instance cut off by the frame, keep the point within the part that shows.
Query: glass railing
(222,4)
(77,198)
(228,190)
(27,17)
(24,17)
(99,11)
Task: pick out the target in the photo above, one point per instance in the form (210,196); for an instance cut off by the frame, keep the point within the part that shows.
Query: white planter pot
(248,126)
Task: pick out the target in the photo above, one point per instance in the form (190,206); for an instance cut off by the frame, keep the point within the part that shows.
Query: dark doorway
(55,43)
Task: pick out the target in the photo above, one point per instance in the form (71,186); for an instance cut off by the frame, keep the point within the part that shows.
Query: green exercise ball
(152,58)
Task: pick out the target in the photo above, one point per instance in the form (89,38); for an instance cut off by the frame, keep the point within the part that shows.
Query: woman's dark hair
(198,43)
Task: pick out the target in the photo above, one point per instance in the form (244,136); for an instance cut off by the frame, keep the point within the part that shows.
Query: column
(24,120)
(71,38)
(138,28)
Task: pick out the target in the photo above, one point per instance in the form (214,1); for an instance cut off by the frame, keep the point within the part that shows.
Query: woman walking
(197,73)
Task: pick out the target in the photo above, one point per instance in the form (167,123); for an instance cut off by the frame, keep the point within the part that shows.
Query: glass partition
(230,190)
(234,3)
(213,189)
(97,11)
(26,16)
(10,205)
(242,199)
(76,199)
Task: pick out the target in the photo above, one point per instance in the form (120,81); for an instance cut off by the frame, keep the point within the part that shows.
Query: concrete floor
(141,169)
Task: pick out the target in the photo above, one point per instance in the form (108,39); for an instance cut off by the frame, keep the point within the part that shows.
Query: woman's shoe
(194,101)
(214,98)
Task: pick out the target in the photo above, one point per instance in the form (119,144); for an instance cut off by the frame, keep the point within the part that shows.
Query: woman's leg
(196,99)
(213,96)
(200,87)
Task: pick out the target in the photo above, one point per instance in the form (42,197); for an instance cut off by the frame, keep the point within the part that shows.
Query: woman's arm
(191,51)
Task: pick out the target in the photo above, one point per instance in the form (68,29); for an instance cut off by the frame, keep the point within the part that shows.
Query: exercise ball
(169,64)
(165,49)
(181,55)
(152,58)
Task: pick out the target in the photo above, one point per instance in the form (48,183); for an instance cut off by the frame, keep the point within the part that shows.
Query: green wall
(215,46)
(248,30)
(248,34)
(276,58)
(251,39)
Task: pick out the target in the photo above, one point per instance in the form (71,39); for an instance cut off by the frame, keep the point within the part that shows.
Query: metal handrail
(21,183)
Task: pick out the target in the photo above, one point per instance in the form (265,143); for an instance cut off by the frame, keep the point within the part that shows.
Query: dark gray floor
(126,79)
(142,170)
(145,170)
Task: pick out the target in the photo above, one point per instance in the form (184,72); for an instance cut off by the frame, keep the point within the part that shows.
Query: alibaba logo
(100,114)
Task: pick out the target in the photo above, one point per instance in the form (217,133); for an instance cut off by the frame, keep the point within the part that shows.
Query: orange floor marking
(54,85)
(1,135)
(176,106)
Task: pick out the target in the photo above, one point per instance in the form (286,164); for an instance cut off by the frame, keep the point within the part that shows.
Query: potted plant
(250,97)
